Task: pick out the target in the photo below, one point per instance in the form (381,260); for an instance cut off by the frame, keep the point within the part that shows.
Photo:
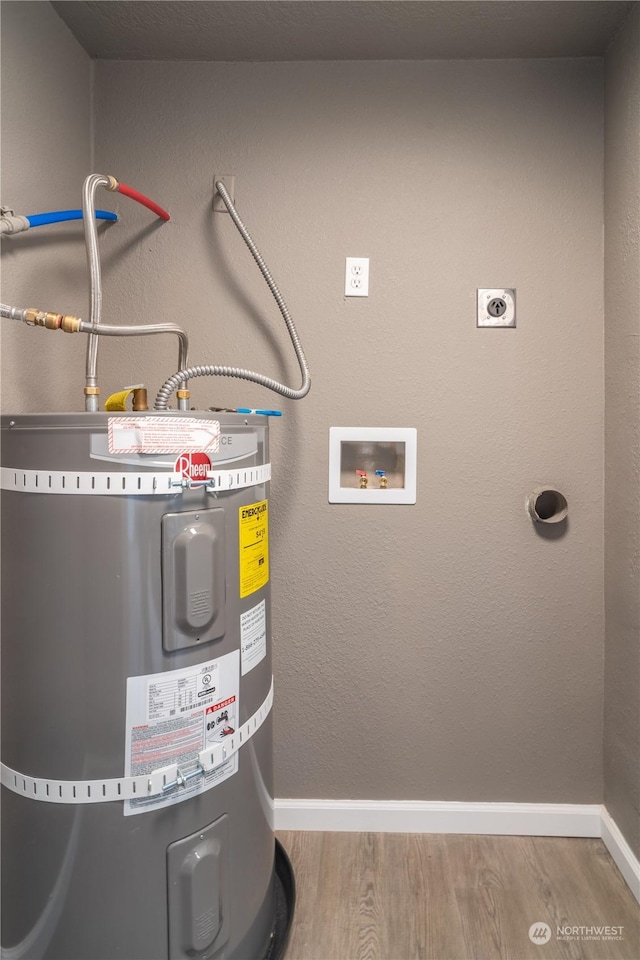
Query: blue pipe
(40,219)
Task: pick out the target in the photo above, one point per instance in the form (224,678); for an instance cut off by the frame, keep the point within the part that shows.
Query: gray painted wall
(622,430)
(46,153)
(446,650)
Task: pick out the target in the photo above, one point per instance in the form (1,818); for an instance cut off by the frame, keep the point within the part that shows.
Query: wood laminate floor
(389,896)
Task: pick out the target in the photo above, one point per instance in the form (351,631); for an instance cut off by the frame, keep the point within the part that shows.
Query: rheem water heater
(137,800)
(136,688)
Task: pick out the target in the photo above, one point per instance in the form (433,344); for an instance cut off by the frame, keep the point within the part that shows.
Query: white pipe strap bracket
(160,781)
(145,484)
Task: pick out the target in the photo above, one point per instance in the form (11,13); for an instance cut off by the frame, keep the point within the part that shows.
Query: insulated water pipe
(12,223)
(165,391)
(91,184)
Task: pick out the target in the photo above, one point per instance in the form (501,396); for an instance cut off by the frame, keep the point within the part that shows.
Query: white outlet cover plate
(485,296)
(356,277)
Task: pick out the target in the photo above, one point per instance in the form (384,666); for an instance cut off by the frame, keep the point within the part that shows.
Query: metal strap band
(81,483)
(135,788)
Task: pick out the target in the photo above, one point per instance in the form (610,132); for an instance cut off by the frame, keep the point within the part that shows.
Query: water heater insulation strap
(163,483)
(135,788)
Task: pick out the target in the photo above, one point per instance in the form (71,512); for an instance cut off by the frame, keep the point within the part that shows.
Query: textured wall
(46,153)
(437,651)
(622,429)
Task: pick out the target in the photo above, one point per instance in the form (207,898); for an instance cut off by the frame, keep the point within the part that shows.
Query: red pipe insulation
(145,201)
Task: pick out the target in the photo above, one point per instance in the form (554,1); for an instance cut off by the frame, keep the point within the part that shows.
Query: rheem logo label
(193,466)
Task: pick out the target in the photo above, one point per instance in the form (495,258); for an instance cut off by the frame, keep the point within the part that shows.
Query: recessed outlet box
(372,464)
(496,307)
(230,183)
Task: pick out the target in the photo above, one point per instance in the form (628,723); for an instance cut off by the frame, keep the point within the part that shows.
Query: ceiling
(272,30)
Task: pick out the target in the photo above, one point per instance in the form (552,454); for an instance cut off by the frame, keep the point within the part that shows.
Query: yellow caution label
(254,546)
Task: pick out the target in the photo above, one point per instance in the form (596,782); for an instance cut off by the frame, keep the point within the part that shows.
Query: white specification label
(172,717)
(162,435)
(253,636)
(178,694)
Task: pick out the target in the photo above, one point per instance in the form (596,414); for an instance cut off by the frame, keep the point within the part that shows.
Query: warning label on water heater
(172,716)
(254,547)
(253,636)
(162,434)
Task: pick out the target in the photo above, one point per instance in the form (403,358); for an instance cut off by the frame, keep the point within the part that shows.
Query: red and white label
(219,706)
(162,434)
(193,466)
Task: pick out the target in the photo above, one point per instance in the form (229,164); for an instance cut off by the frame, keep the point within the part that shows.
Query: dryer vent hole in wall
(548,506)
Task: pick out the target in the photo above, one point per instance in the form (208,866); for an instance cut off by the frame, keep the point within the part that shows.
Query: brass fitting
(140,398)
(41,318)
(52,321)
(383,483)
(183,394)
(31,316)
(113,183)
(70,324)
(91,391)
(364,482)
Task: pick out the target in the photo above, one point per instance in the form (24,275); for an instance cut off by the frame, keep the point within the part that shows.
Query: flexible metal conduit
(173,382)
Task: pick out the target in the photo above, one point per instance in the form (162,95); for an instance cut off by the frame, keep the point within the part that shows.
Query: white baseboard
(624,857)
(417,816)
(430,816)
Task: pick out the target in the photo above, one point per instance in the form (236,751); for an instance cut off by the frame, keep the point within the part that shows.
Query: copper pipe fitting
(140,399)
(41,318)
(70,324)
(31,316)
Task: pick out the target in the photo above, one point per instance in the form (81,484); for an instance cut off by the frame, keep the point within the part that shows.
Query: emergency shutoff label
(254,547)
(172,716)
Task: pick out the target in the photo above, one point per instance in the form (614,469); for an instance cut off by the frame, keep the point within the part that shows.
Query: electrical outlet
(356,278)
(230,183)
(496,307)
